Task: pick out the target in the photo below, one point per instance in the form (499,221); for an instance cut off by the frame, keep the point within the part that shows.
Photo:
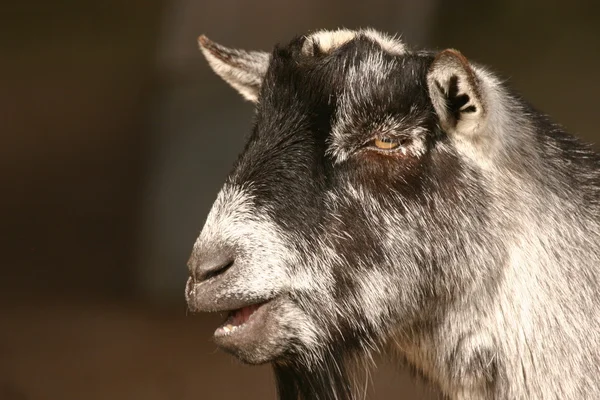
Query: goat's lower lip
(246,329)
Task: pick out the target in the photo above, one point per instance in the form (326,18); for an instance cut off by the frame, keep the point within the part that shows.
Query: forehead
(325,71)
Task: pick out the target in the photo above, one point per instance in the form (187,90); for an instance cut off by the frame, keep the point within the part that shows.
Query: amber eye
(386,143)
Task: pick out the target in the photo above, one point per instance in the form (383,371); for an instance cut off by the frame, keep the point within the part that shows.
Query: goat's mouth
(246,332)
(239,320)
(252,329)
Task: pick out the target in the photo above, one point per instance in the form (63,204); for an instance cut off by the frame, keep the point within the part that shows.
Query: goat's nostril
(213,270)
(206,263)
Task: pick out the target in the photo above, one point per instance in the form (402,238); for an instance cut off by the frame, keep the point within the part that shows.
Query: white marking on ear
(243,70)
(456,94)
(328,41)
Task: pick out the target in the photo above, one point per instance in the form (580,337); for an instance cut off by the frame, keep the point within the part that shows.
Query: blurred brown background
(117,136)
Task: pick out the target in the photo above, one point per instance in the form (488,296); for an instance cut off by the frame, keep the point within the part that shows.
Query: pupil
(386,140)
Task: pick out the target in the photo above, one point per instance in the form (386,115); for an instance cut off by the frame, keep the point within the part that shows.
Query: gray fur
(487,283)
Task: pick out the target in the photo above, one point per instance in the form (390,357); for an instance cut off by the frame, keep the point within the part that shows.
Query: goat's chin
(255,337)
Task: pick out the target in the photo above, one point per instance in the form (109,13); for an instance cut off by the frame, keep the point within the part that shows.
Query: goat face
(349,215)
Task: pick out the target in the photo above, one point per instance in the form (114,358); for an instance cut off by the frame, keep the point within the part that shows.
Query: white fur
(264,253)
(329,40)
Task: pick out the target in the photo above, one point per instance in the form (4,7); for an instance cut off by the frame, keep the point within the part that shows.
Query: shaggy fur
(470,250)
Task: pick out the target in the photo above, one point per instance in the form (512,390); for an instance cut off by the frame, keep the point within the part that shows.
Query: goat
(392,201)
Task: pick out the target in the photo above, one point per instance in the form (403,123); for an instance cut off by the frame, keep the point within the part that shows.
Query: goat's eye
(386,143)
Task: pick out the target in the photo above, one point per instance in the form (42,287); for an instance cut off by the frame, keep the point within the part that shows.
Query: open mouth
(241,320)
(251,333)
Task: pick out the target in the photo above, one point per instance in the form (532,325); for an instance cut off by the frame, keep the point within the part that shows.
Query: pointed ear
(244,70)
(456,94)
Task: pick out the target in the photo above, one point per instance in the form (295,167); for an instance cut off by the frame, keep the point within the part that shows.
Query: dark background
(116,138)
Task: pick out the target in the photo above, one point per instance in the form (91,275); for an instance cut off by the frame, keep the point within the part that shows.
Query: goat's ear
(456,93)
(244,70)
